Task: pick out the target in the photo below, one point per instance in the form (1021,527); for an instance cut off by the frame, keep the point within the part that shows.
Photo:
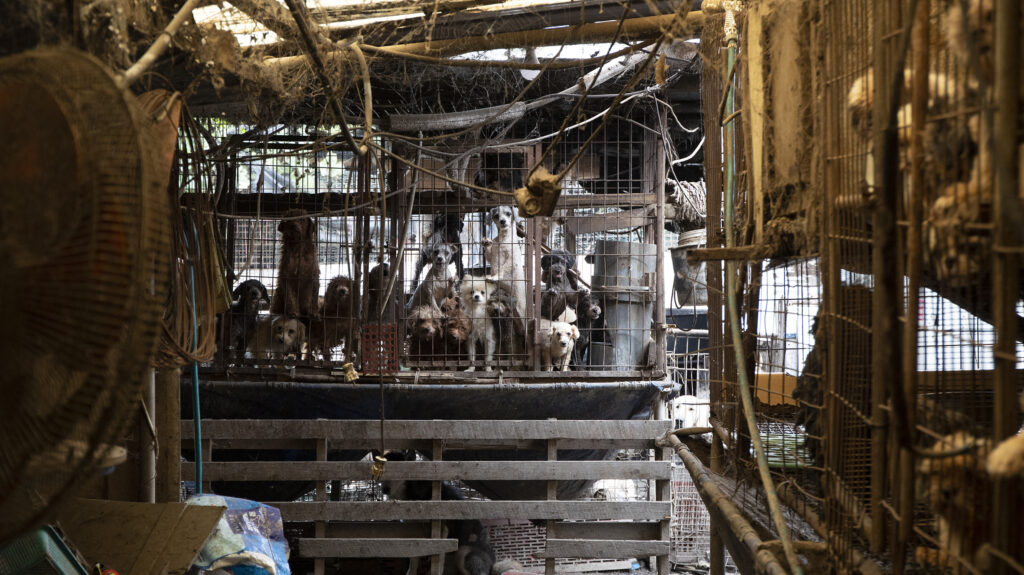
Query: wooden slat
(430,470)
(618,530)
(445,510)
(369,430)
(602,549)
(424,445)
(369,548)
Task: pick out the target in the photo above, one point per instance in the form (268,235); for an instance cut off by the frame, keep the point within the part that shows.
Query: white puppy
(475,293)
(557,340)
(277,337)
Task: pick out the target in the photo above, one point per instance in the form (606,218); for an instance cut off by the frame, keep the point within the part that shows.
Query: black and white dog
(446,229)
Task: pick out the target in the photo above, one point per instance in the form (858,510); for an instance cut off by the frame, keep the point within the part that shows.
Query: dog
(588,314)
(456,325)
(299,274)
(960,494)
(248,296)
(557,339)
(434,288)
(475,293)
(509,327)
(277,337)
(426,329)
(336,318)
(376,284)
(506,255)
(474,555)
(446,229)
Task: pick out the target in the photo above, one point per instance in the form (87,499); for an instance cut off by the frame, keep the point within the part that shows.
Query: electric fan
(84,265)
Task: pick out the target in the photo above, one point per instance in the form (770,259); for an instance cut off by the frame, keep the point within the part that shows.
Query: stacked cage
(415,257)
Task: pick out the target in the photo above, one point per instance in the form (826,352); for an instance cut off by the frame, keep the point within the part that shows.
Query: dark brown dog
(456,326)
(299,274)
(426,335)
(336,319)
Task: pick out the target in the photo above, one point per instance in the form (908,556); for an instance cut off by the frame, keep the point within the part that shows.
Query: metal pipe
(734,322)
(765,560)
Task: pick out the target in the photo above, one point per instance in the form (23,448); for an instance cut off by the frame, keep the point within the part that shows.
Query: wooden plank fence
(361,529)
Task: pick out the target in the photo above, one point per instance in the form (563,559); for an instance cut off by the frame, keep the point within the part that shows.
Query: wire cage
(479,288)
(885,357)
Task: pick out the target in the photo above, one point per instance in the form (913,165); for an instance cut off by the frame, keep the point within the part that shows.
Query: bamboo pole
(717,549)
(1007,260)
(765,560)
(914,267)
(162,42)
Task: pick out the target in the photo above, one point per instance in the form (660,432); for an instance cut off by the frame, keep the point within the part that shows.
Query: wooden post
(207,445)
(168,429)
(659,240)
(1007,261)
(717,549)
(436,561)
(320,527)
(663,491)
(147,442)
(549,562)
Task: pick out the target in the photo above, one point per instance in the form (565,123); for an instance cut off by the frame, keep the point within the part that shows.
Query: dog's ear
(310,229)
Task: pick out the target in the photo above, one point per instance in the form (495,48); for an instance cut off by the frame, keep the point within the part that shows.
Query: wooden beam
(431,470)
(632,29)
(369,548)
(270,206)
(379,530)
(449,510)
(424,444)
(168,430)
(602,548)
(439,429)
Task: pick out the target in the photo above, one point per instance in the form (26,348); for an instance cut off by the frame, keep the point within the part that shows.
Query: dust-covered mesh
(85,273)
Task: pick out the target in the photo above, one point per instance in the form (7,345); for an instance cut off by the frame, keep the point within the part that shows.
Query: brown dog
(299,274)
(335,320)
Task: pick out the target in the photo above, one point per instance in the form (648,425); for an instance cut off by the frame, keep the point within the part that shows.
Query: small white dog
(557,340)
(277,337)
(475,293)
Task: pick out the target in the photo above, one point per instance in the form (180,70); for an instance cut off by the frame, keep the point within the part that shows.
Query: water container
(627,301)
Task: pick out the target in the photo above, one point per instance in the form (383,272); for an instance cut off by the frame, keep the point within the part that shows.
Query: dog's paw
(486,242)
(1007,459)
(928,556)
(470,368)
(487,368)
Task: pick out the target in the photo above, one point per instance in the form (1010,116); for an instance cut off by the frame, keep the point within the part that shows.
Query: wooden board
(370,548)
(139,538)
(369,430)
(602,548)
(618,530)
(430,470)
(424,444)
(445,510)
(379,530)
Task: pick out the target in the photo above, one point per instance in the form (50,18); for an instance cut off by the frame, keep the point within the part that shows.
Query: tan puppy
(278,337)
(557,340)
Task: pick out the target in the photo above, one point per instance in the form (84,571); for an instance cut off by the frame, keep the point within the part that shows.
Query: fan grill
(84,254)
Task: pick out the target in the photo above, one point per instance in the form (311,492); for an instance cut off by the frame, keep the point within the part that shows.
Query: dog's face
(557,273)
(590,307)
(288,332)
(475,291)
(441,254)
(293,230)
(562,335)
(425,322)
(503,216)
(251,294)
